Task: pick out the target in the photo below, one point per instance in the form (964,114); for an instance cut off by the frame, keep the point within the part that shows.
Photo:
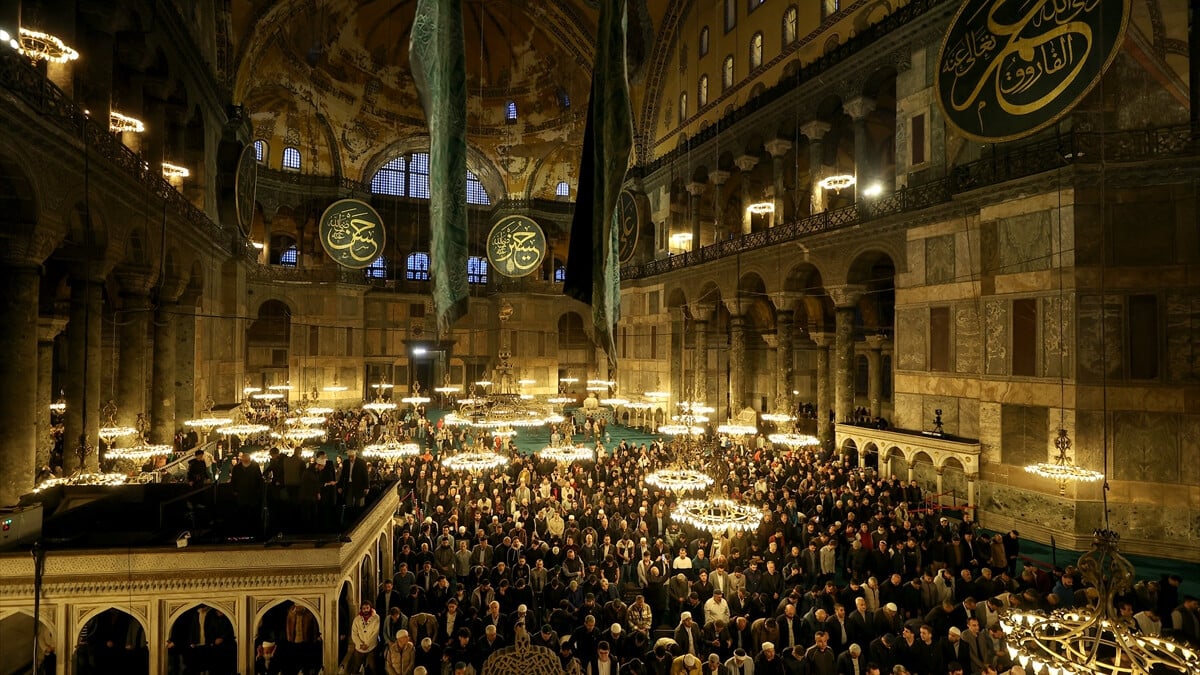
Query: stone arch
(171,632)
(262,612)
(875,270)
(676,297)
(849,451)
(477,162)
(869,456)
(954,479)
(19,194)
(93,618)
(87,227)
(896,462)
(924,470)
(17,624)
(366,579)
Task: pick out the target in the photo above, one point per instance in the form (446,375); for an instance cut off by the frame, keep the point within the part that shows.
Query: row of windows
(291,156)
(828,8)
(417,267)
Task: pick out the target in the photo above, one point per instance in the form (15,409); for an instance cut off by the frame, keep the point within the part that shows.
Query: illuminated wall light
(119,123)
(38,46)
(761,208)
(873,190)
(837,183)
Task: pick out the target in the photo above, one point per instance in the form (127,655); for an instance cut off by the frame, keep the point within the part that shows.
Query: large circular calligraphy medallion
(628,225)
(1007,70)
(516,246)
(244,182)
(352,233)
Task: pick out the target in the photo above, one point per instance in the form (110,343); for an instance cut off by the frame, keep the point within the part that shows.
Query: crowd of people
(848,574)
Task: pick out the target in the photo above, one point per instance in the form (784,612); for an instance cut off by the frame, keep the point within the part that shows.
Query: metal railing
(1040,156)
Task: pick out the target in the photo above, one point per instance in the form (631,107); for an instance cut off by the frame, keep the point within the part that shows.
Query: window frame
(728,72)
(510,111)
(401,179)
(477,270)
(377,269)
(562,189)
(262,151)
(415,175)
(730,15)
(702,92)
(756,50)
(416,266)
(791,16)
(291,151)
(704,37)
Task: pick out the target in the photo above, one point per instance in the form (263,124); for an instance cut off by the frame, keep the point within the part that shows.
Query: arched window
(260,151)
(682,107)
(790,25)
(756,49)
(560,272)
(727,73)
(702,92)
(418,175)
(730,15)
(378,268)
(391,179)
(753,5)
(477,270)
(289,256)
(704,41)
(510,111)
(564,99)
(475,192)
(417,267)
(562,189)
(830,7)
(291,159)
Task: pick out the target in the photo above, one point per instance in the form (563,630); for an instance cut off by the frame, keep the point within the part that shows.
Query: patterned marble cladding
(1146,447)
(1023,434)
(939,259)
(911,329)
(1056,336)
(1183,337)
(1048,511)
(1143,521)
(1100,327)
(1019,243)
(996,327)
(968,349)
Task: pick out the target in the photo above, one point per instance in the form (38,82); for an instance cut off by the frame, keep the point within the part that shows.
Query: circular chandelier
(280,387)
(761,208)
(175,171)
(1068,641)
(717,515)
(119,123)
(391,449)
(139,453)
(734,429)
(560,400)
(599,385)
(39,46)
(474,461)
(415,398)
(1062,469)
(614,402)
(207,423)
(778,417)
(794,441)
(84,479)
(299,434)
(837,183)
(267,396)
(379,406)
(679,479)
(318,410)
(567,454)
(680,430)
(243,429)
(111,431)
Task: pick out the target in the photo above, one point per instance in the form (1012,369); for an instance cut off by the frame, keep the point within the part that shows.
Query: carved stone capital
(718,178)
(877,341)
(859,108)
(703,311)
(815,130)
(746,162)
(696,188)
(778,147)
(846,296)
(785,301)
(50,327)
(823,340)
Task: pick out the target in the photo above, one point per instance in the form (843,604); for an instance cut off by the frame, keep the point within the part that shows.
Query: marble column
(737,364)
(746,164)
(718,180)
(778,149)
(49,328)
(82,419)
(700,363)
(678,387)
(972,479)
(162,392)
(875,373)
(858,110)
(784,363)
(695,192)
(19,376)
(815,132)
(824,428)
(133,322)
(185,360)
(845,300)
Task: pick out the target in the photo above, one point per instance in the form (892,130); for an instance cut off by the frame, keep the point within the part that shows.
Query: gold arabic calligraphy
(516,247)
(352,234)
(1022,64)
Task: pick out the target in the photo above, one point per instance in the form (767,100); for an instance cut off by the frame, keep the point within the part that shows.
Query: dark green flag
(437,52)
(593,273)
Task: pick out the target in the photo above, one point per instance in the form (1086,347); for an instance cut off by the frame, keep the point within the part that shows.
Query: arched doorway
(111,641)
(366,580)
(954,482)
(19,654)
(345,612)
(290,631)
(268,339)
(850,452)
(924,472)
(897,464)
(201,638)
(870,457)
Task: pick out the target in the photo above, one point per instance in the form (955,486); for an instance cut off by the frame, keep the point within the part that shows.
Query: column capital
(718,177)
(696,188)
(746,162)
(859,108)
(676,313)
(785,301)
(777,147)
(815,130)
(846,296)
(49,327)
(135,280)
(877,342)
(823,340)
(771,340)
(734,306)
(702,311)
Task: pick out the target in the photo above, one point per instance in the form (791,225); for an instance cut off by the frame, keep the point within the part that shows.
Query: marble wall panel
(1189,449)
(907,411)
(996,337)
(1089,438)
(949,407)
(1023,434)
(1183,334)
(968,349)
(1056,336)
(1146,447)
(1023,243)
(1099,346)
(989,431)
(911,330)
(1143,521)
(939,259)
(1143,232)
(968,417)
(1049,511)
